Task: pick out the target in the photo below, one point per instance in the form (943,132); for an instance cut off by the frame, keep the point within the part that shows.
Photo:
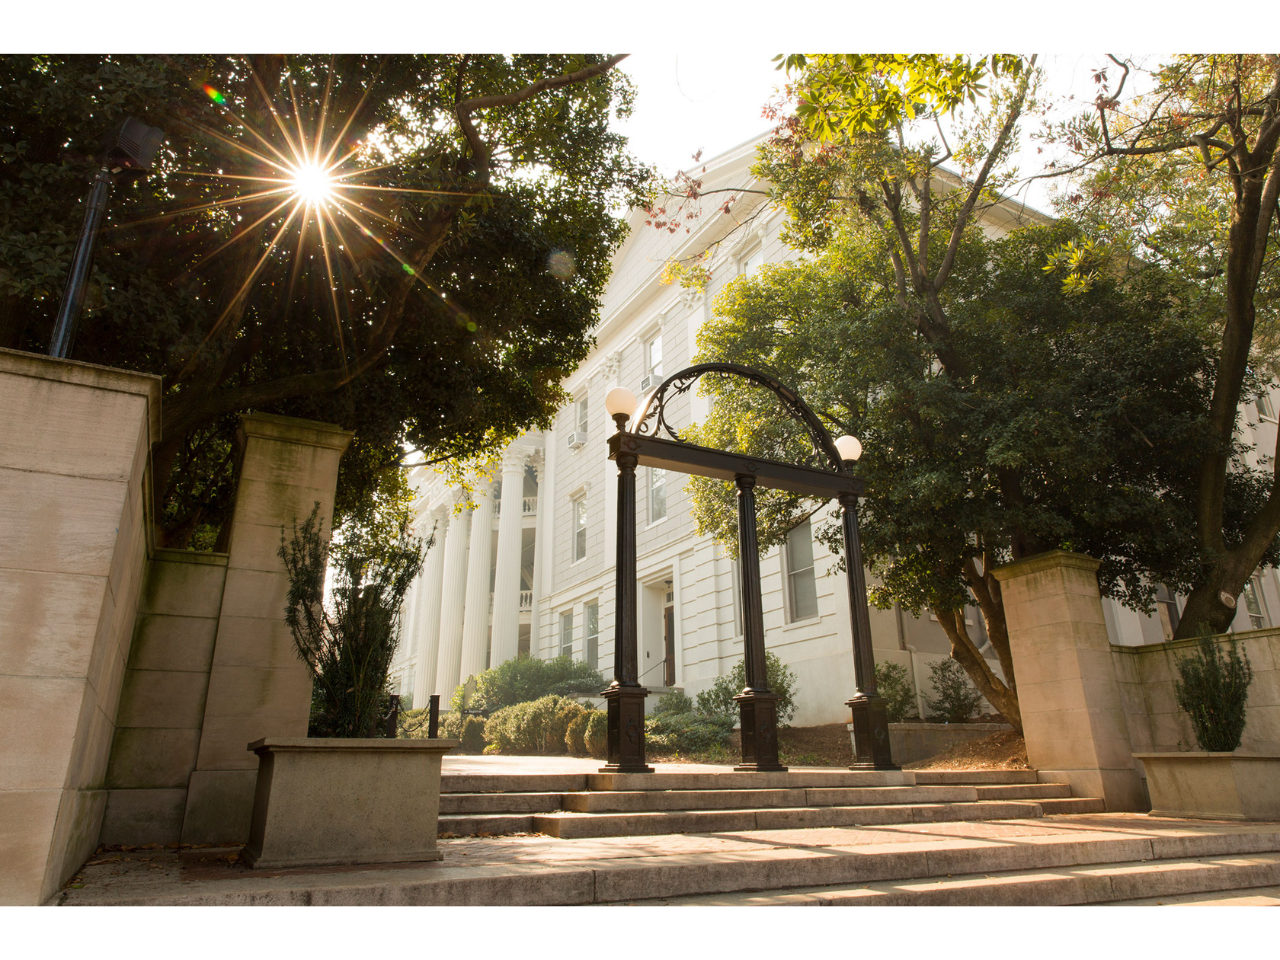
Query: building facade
(528,564)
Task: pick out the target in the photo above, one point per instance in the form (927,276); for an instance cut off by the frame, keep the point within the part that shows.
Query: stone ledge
(170,555)
(1052,560)
(279,744)
(270,426)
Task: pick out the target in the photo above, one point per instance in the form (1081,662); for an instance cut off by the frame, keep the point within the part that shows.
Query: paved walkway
(532,869)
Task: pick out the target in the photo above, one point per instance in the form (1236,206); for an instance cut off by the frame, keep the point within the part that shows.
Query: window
(653,358)
(657,495)
(591,632)
(753,261)
(802,591)
(1167,611)
(566,634)
(579,529)
(583,421)
(1254,605)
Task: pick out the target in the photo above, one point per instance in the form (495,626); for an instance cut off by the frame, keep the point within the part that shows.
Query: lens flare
(312,184)
(214,95)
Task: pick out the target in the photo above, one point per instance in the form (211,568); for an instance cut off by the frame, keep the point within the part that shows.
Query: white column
(453,593)
(475,621)
(427,619)
(546,539)
(535,613)
(506,581)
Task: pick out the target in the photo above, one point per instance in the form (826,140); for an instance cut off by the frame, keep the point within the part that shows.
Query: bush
(1213,690)
(536,727)
(575,736)
(687,732)
(956,696)
(527,678)
(893,685)
(718,700)
(596,737)
(673,702)
(460,726)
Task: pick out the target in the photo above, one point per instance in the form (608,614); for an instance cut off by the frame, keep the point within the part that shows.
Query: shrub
(527,678)
(718,700)
(893,685)
(673,702)
(460,726)
(569,713)
(596,737)
(956,697)
(1213,690)
(687,732)
(575,736)
(537,726)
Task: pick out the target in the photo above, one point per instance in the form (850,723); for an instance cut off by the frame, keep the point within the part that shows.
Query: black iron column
(625,696)
(64,328)
(870,716)
(757,705)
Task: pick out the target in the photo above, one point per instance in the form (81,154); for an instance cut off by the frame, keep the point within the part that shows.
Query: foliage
(1213,690)
(596,737)
(488,218)
(528,678)
(717,701)
(673,701)
(465,727)
(576,733)
(686,733)
(955,698)
(348,646)
(893,685)
(533,727)
(1185,179)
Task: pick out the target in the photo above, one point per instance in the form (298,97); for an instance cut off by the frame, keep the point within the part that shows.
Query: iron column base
(759,712)
(871,734)
(626,730)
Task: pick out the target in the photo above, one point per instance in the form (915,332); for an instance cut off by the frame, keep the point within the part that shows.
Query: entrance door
(669,645)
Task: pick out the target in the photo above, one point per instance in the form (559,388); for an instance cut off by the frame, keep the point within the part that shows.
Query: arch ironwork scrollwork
(653,417)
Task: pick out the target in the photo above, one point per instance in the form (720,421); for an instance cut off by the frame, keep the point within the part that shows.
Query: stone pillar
(257,685)
(538,462)
(453,595)
(475,620)
(1072,715)
(75,520)
(506,583)
(427,622)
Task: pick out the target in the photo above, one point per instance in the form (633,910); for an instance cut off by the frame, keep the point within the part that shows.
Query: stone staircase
(570,806)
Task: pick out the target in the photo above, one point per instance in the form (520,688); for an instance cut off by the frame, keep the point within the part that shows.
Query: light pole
(127,153)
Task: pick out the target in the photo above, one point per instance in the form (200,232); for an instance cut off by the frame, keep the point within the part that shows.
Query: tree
(1067,430)
(348,645)
(1188,177)
(436,299)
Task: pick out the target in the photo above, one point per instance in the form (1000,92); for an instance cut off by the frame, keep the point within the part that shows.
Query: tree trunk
(963,650)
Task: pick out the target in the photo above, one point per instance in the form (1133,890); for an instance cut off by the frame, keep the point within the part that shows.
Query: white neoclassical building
(530,567)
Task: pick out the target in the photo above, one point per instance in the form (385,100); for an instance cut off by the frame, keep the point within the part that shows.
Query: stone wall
(1157,724)
(74,531)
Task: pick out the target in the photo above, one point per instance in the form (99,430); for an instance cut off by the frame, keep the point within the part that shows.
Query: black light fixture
(127,154)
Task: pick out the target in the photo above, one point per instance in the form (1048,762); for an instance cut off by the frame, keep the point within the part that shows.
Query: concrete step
(512,783)
(470,803)
(732,780)
(1068,805)
(660,822)
(974,776)
(601,801)
(1115,882)
(1022,791)
(1116,854)
(476,825)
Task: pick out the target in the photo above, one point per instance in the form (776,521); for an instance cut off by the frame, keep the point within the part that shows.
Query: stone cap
(271,426)
(171,555)
(24,364)
(1050,560)
(1214,755)
(292,744)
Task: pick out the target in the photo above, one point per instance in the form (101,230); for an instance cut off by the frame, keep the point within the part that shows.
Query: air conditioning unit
(577,439)
(646,382)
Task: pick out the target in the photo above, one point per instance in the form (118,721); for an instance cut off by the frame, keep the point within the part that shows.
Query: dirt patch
(1005,750)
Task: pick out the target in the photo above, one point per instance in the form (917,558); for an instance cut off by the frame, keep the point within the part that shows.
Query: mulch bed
(1005,750)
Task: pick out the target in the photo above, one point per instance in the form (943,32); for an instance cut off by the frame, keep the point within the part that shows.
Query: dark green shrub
(528,678)
(718,700)
(1213,690)
(673,701)
(956,697)
(575,737)
(596,736)
(893,685)
(536,727)
(459,726)
(687,732)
